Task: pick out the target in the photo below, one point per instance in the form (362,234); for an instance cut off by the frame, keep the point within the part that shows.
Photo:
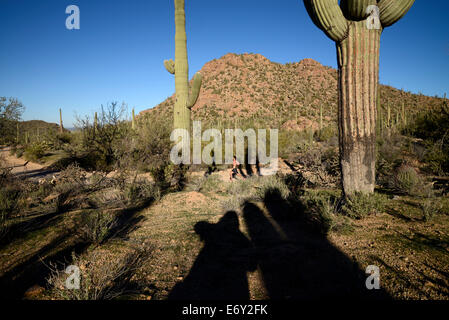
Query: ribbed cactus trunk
(356,26)
(181,112)
(185,100)
(358,62)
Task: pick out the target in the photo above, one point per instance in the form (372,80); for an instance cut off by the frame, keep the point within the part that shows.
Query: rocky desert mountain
(238,87)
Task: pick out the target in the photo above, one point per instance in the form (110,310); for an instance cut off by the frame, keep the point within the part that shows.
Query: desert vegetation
(107,192)
(104,201)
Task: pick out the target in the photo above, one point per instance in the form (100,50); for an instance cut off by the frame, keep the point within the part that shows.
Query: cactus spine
(357,37)
(180,68)
(61,127)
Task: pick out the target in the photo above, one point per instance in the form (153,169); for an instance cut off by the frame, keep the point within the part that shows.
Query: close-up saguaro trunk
(180,68)
(356,27)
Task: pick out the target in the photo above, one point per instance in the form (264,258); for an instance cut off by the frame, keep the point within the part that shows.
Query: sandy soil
(17,163)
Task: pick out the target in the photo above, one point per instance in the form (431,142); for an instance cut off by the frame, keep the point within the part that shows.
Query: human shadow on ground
(294,257)
(219,272)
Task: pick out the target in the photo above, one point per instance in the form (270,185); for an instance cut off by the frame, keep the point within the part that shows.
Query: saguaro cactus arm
(393,10)
(328,16)
(170,66)
(195,91)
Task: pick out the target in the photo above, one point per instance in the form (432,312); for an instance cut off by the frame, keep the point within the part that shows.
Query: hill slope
(249,86)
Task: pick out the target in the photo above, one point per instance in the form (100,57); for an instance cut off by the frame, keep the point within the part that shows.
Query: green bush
(96,225)
(327,133)
(35,152)
(19,152)
(433,127)
(9,199)
(271,183)
(322,206)
(360,205)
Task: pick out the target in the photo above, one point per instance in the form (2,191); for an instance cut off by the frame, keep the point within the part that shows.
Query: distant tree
(11,110)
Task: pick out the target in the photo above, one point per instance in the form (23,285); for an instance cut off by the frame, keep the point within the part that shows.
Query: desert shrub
(360,205)
(430,207)
(94,226)
(138,191)
(35,151)
(433,127)
(13,150)
(101,142)
(150,145)
(271,183)
(320,206)
(64,138)
(158,175)
(436,158)
(19,152)
(175,175)
(170,176)
(319,166)
(292,141)
(407,180)
(389,158)
(430,204)
(327,134)
(9,199)
(103,274)
(331,161)
(203,184)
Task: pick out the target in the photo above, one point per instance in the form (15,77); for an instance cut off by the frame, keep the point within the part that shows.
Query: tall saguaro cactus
(185,100)
(356,27)
(133,121)
(61,127)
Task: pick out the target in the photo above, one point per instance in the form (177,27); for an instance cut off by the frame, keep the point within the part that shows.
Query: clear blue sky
(117,54)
